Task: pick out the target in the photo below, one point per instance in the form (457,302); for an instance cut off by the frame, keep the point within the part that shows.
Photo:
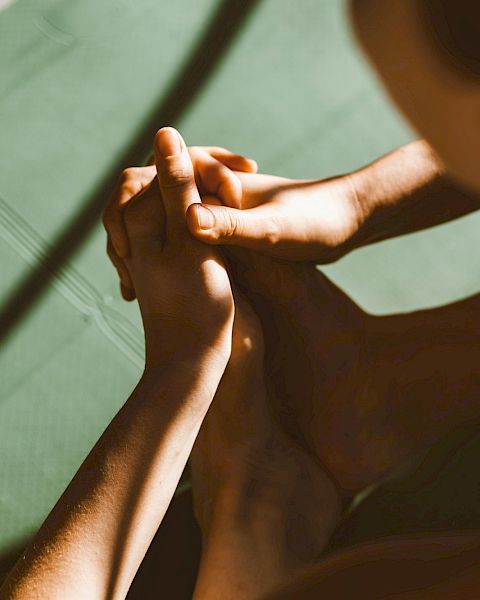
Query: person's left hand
(306,221)
(182,285)
(216,181)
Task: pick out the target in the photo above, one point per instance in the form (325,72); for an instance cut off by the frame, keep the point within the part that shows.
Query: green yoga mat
(78,80)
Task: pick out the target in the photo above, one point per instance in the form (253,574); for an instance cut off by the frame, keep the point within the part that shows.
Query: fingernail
(169,142)
(205,218)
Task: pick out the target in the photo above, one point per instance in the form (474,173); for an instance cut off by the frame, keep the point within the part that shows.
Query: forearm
(406,191)
(93,541)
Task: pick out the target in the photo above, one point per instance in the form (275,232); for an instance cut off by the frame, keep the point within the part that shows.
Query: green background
(78,78)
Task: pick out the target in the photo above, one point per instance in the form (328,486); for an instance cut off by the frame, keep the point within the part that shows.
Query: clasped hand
(324,355)
(182,285)
(162,238)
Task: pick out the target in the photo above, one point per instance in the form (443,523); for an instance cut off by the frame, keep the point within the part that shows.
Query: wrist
(207,363)
(391,191)
(187,380)
(352,213)
(185,343)
(358,204)
(365,196)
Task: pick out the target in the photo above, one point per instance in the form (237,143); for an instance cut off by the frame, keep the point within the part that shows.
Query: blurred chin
(441,103)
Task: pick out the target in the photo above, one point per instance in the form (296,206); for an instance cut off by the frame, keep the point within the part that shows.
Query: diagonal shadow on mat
(204,59)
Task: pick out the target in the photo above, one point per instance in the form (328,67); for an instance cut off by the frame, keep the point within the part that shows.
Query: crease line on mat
(29,244)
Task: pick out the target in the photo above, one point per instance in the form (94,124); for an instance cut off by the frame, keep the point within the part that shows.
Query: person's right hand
(284,218)
(214,171)
(181,284)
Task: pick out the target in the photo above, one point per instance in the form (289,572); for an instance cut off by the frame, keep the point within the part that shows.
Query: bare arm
(322,220)
(315,220)
(93,541)
(406,191)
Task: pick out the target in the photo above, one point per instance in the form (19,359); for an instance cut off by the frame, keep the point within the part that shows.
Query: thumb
(176,178)
(250,228)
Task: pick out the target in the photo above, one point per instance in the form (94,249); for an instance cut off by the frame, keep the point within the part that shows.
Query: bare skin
(322,342)
(402,192)
(315,221)
(322,220)
(265,508)
(382,347)
(418,72)
(93,541)
(213,170)
(428,567)
(348,384)
(422,74)
(360,429)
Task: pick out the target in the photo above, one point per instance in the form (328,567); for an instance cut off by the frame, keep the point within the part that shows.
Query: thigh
(439,567)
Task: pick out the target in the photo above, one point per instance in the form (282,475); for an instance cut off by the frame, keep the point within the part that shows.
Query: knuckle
(220,170)
(130,177)
(231,225)
(130,188)
(140,219)
(218,150)
(272,233)
(126,174)
(212,177)
(178,176)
